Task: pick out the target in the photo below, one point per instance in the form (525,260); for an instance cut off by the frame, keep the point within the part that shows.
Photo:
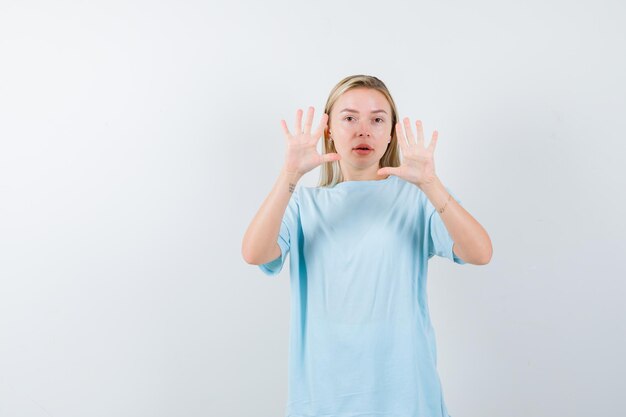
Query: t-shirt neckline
(361,183)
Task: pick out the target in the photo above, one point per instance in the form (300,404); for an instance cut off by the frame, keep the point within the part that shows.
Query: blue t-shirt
(361,339)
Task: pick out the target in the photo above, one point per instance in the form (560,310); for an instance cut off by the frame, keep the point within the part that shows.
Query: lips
(363,146)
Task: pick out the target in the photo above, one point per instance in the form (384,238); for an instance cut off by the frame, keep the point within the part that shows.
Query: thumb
(387,171)
(329,157)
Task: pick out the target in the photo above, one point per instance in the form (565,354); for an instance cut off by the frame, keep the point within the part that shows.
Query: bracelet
(444,206)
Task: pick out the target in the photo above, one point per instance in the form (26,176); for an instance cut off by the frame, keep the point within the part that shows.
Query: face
(361,117)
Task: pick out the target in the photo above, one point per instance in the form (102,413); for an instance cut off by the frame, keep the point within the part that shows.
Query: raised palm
(301,155)
(418,163)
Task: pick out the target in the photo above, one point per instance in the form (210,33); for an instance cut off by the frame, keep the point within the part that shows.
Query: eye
(348,117)
(379,120)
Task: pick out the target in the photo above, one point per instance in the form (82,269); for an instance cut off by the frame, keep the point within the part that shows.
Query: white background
(138,139)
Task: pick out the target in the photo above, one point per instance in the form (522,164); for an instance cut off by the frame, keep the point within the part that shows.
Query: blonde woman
(361,339)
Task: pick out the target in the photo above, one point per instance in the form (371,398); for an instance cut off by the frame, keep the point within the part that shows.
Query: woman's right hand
(302,155)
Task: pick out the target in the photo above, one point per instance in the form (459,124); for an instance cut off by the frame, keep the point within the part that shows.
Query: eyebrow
(355,111)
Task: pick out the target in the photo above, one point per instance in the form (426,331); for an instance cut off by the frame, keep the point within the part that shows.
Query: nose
(363,130)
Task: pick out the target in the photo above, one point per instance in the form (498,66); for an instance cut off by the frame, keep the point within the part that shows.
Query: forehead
(364,100)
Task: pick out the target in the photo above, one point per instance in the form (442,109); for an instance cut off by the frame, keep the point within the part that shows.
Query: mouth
(363,147)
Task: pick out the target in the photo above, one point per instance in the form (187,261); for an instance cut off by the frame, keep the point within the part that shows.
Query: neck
(362,175)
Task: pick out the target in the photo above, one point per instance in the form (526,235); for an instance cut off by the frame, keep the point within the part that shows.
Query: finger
(285,129)
(309,120)
(298,122)
(420,132)
(329,157)
(386,171)
(401,138)
(433,141)
(409,131)
(321,127)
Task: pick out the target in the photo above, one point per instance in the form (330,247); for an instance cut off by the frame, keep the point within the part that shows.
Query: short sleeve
(440,243)
(288,230)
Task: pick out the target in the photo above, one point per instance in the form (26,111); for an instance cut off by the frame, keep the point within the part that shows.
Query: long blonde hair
(330,172)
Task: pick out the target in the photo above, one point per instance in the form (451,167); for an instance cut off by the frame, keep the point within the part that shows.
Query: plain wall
(138,140)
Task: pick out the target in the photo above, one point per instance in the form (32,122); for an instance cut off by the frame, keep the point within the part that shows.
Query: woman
(362,343)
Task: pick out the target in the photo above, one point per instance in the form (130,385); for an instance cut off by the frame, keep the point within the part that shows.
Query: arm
(260,241)
(471,241)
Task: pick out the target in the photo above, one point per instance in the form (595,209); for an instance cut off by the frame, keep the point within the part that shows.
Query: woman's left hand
(418,164)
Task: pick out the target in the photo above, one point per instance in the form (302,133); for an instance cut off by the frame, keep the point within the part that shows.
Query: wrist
(430,184)
(437,194)
(292,176)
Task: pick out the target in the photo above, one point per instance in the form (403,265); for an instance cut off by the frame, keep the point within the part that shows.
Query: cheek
(383,129)
(342,128)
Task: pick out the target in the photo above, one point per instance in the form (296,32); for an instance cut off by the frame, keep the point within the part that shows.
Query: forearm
(260,240)
(471,241)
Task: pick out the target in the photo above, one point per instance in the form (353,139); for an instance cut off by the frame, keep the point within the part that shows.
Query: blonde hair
(330,172)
